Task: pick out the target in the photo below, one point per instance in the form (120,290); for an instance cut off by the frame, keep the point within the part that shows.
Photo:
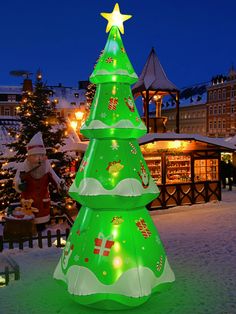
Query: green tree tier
(113,258)
(113,172)
(113,114)
(113,64)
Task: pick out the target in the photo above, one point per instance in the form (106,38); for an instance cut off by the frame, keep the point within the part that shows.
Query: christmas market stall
(185,167)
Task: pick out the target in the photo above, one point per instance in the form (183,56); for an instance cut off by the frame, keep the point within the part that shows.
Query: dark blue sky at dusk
(194,40)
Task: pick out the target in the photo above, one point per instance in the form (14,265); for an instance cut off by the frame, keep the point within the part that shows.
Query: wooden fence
(35,240)
(8,269)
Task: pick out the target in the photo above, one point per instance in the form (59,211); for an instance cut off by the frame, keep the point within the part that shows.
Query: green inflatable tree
(113,258)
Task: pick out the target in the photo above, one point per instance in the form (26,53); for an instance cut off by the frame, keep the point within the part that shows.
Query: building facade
(10,98)
(221,106)
(192,111)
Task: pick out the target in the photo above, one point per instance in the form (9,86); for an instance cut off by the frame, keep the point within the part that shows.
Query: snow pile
(200,241)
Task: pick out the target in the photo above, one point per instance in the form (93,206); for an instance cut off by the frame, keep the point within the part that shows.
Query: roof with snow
(189,96)
(231,140)
(153,77)
(72,143)
(10,89)
(220,142)
(68,96)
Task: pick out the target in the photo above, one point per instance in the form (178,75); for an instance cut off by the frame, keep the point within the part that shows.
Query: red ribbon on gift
(103,244)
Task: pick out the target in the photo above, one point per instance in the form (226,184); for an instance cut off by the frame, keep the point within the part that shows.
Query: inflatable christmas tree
(113,258)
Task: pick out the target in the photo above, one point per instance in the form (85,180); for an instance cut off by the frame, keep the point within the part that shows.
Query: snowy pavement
(200,241)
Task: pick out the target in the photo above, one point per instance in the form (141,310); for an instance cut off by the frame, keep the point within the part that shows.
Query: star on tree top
(115,18)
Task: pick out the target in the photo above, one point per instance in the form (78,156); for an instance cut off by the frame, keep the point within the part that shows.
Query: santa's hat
(36,145)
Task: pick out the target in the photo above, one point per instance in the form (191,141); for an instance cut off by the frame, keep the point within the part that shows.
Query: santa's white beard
(40,171)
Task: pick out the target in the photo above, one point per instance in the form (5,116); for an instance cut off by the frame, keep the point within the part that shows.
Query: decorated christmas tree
(36,113)
(113,258)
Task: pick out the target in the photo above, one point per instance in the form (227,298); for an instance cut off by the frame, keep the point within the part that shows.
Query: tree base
(105,301)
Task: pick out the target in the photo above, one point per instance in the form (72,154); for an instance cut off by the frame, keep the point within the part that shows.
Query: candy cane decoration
(160,263)
(133,150)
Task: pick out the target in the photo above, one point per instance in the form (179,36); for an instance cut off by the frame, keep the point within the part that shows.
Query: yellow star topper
(115,19)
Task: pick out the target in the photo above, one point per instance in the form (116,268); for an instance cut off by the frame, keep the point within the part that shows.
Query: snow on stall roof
(153,76)
(150,137)
(200,244)
(231,140)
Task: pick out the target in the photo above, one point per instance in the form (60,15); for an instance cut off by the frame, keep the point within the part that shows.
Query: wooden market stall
(186,167)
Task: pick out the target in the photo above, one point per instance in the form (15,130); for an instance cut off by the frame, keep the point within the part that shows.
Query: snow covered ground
(200,241)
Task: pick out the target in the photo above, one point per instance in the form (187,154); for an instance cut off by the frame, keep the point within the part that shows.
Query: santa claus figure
(33,177)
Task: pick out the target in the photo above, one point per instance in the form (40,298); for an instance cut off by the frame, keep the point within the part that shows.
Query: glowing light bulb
(79,115)
(117,262)
(74,124)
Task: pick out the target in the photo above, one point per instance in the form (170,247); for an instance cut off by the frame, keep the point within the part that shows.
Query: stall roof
(220,142)
(153,77)
(231,140)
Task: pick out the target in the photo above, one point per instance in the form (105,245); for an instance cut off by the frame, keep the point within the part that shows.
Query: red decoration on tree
(82,166)
(144,176)
(141,224)
(103,244)
(109,60)
(129,103)
(113,103)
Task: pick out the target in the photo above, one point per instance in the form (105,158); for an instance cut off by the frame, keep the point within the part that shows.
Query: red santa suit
(33,177)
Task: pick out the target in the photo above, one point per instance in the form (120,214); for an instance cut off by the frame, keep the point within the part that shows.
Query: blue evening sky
(194,40)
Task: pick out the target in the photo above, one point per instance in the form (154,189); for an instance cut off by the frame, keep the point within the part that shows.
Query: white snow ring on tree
(87,282)
(126,187)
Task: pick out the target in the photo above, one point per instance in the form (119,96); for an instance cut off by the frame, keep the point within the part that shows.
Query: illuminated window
(224,108)
(11,98)
(215,109)
(206,169)
(6,111)
(233,92)
(224,94)
(214,95)
(178,169)
(232,108)
(210,95)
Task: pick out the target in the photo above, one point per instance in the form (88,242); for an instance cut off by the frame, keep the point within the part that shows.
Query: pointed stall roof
(153,77)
